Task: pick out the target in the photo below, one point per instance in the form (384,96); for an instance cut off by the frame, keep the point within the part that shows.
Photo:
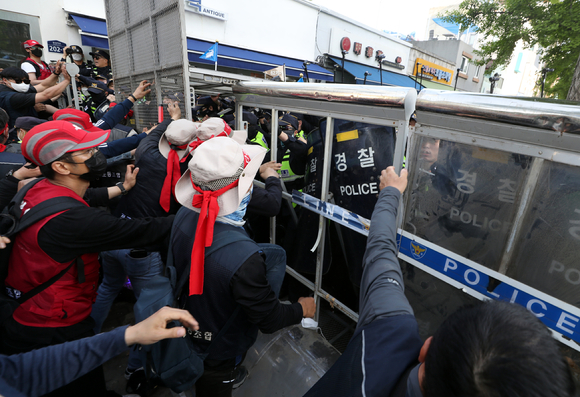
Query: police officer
(102,64)
(292,155)
(76,53)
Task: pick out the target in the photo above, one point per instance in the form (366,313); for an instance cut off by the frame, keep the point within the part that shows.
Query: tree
(553,25)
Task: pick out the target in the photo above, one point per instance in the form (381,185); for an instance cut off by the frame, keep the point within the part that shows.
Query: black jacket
(143,200)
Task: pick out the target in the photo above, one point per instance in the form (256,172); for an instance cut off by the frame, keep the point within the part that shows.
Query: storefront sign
(197,7)
(440,74)
(345,44)
(364,46)
(56,46)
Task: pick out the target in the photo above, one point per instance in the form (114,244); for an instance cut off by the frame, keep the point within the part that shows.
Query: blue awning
(90,25)
(389,78)
(234,57)
(93,31)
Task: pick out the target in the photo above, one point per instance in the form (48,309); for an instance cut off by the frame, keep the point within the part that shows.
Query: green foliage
(553,25)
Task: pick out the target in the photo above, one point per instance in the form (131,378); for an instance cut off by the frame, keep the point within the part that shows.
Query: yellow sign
(347,136)
(440,74)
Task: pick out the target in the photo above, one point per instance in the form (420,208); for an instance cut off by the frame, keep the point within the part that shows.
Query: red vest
(41,68)
(64,303)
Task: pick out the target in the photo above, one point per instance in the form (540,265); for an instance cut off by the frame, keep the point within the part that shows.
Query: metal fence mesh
(146,43)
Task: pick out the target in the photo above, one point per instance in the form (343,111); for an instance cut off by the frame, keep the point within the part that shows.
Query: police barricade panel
(547,257)
(464,198)
(360,152)
(146,43)
(468,208)
(431,298)
(363,138)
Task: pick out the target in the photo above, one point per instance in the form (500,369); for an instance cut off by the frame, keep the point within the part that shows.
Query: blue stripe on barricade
(333,212)
(540,304)
(454,267)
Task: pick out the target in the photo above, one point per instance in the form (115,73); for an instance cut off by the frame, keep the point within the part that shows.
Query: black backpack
(11,223)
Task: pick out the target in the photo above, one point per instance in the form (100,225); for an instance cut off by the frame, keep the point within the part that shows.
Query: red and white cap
(49,141)
(32,43)
(77,117)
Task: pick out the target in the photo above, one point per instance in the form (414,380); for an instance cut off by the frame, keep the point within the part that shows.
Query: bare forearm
(56,89)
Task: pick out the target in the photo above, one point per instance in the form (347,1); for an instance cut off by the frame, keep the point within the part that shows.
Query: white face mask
(22,87)
(85,91)
(77,57)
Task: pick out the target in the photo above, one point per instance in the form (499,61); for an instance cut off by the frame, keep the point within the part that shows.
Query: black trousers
(217,379)
(17,338)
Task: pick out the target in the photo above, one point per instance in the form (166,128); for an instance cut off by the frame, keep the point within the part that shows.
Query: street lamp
(545,71)
(305,65)
(366,74)
(493,80)
(379,58)
(417,73)
(342,75)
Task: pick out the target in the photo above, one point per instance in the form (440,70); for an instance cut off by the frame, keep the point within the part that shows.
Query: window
(477,70)
(464,64)
(10,51)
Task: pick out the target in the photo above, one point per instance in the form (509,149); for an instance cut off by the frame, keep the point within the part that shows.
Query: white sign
(197,7)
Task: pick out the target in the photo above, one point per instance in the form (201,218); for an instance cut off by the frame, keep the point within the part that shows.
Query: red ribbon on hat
(173,175)
(227,128)
(209,209)
(195,144)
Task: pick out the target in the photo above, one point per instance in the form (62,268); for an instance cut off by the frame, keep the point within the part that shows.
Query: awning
(436,86)
(93,31)
(239,58)
(389,78)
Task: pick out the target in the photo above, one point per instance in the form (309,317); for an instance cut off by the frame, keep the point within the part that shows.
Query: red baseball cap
(77,117)
(32,43)
(51,140)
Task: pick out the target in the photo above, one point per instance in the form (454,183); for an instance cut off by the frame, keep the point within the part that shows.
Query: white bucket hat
(215,126)
(179,133)
(220,173)
(216,164)
(173,145)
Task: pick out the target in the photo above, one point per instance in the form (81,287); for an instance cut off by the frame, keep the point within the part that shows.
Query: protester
(217,185)
(489,349)
(36,69)
(142,264)
(41,371)
(19,98)
(67,157)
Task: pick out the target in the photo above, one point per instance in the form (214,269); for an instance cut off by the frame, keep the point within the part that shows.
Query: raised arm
(382,290)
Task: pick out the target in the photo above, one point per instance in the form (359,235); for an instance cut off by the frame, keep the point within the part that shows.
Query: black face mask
(97,166)
(36,52)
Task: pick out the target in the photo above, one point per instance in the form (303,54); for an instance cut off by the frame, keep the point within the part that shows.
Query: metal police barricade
(492,209)
(354,141)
